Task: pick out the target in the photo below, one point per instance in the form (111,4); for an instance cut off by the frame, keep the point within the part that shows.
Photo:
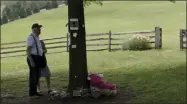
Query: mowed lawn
(157,76)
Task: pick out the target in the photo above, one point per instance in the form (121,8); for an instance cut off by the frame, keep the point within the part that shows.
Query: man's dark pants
(33,78)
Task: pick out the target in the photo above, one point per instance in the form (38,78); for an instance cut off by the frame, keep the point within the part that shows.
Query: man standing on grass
(34,59)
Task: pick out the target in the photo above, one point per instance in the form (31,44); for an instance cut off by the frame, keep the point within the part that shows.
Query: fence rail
(63,42)
(97,39)
(98,34)
(25,41)
(25,54)
(13,47)
(134,32)
(183,41)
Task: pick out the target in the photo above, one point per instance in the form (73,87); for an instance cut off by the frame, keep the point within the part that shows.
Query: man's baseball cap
(36,25)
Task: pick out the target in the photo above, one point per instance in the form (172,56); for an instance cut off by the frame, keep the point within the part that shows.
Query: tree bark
(77,48)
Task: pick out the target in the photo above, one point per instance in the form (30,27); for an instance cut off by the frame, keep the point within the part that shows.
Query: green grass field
(157,76)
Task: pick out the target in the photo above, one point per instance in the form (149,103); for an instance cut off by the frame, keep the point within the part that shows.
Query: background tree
(20,9)
(15,9)
(54,4)
(34,7)
(1,21)
(42,4)
(48,5)
(28,11)
(4,18)
(27,7)
(9,13)
(22,12)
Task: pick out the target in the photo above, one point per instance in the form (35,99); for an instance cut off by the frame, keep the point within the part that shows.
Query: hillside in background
(115,16)
(155,76)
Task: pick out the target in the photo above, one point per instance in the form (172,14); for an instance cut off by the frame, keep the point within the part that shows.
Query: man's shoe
(49,91)
(38,94)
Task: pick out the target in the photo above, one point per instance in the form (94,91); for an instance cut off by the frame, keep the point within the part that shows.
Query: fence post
(109,41)
(181,39)
(158,37)
(160,41)
(67,47)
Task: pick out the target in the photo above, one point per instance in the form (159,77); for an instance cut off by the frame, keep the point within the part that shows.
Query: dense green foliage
(21,9)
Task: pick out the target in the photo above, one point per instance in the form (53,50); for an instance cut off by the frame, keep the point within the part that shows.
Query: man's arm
(45,51)
(28,50)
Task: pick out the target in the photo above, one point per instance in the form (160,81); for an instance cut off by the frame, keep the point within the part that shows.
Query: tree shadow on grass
(156,85)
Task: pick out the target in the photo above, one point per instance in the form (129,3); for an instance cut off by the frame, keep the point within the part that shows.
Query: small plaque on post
(74,24)
(74,46)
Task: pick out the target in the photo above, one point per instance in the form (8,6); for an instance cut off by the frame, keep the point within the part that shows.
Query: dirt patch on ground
(125,97)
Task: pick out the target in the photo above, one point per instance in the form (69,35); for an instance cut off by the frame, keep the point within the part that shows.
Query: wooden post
(109,41)
(157,37)
(67,43)
(181,39)
(160,42)
(184,36)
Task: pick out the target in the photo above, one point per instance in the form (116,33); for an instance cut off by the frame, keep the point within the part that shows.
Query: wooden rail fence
(61,44)
(183,41)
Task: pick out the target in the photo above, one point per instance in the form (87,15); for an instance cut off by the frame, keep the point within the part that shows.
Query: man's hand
(31,61)
(45,51)
(29,56)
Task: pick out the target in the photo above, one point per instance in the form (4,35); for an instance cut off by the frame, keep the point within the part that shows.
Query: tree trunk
(77,48)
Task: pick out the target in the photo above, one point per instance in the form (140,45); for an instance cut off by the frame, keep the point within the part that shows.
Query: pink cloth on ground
(98,82)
